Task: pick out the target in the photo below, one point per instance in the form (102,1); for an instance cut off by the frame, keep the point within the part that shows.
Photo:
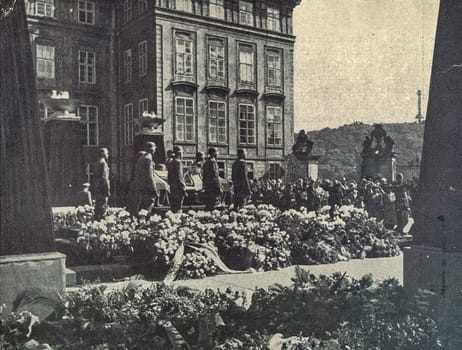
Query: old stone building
(219,72)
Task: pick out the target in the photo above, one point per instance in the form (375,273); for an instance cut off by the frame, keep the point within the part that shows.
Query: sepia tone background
(361,60)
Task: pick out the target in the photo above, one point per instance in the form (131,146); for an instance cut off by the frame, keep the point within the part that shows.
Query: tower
(419,115)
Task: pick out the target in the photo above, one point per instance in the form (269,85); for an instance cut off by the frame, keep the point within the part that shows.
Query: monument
(306,163)
(379,159)
(27,251)
(62,136)
(433,261)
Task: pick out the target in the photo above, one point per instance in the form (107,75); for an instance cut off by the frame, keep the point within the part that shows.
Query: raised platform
(23,272)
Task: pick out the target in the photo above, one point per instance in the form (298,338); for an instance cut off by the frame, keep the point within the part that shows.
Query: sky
(361,60)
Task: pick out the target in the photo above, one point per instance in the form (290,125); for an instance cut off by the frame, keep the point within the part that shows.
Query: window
(184,54)
(216,59)
(273,126)
(221,169)
(246,64)
(143,106)
(142,6)
(276,171)
(127,10)
(250,171)
(45,61)
(128,65)
(184,118)
(44,8)
(142,58)
(184,5)
(128,124)
(273,19)
(86,12)
(89,125)
(217,122)
(246,13)
(247,124)
(217,9)
(273,68)
(87,67)
(89,172)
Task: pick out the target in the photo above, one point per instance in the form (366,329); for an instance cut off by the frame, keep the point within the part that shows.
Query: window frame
(141,102)
(142,58)
(86,11)
(271,127)
(46,61)
(276,81)
(273,22)
(249,67)
(186,6)
(219,9)
(48,5)
(216,119)
(184,124)
(88,123)
(128,65)
(87,67)
(246,15)
(186,38)
(219,44)
(128,124)
(127,11)
(142,6)
(250,170)
(247,128)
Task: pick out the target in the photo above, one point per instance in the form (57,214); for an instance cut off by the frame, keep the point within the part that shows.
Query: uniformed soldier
(240,179)
(101,186)
(211,180)
(176,180)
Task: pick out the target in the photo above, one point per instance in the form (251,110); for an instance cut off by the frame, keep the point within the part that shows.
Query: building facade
(219,72)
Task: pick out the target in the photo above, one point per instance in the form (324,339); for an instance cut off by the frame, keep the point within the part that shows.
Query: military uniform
(101,187)
(241,185)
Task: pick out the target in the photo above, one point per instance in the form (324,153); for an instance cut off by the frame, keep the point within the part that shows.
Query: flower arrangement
(259,237)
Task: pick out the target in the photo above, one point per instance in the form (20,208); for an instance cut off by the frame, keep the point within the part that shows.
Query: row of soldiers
(146,186)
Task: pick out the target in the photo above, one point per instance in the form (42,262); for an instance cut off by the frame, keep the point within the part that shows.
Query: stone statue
(377,136)
(378,145)
(388,149)
(303,146)
(367,150)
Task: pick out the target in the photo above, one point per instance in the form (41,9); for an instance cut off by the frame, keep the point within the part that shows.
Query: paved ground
(380,268)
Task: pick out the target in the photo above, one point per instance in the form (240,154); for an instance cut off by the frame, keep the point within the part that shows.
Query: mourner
(211,180)
(176,180)
(101,185)
(240,180)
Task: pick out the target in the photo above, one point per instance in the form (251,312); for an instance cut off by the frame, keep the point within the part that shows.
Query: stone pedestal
(64,159)
(378,167)
(26,271)
(305,168)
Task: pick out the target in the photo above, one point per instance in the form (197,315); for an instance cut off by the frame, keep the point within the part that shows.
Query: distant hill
(340,148)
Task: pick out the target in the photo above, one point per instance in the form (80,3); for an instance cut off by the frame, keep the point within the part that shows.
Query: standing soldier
(102,186)
(149,189)
(176,180)
(240,179)
(211,180)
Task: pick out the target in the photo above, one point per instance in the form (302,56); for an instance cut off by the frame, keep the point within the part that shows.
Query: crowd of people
(387,202)
(147,188)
